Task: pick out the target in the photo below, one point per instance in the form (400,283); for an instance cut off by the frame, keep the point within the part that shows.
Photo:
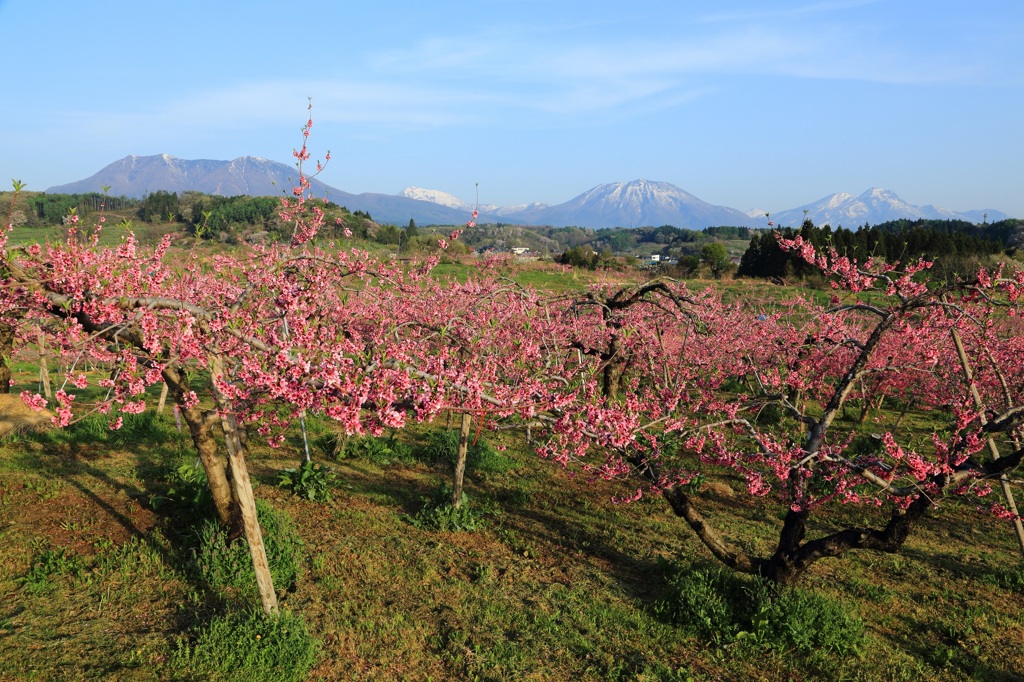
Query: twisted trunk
(201,429)
(6,352)
(793,556)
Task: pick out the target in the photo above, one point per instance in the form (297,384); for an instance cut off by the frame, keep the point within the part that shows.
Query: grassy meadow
(550,580)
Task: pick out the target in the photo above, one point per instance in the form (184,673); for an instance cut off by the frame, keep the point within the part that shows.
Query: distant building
(652,259)
(520,250)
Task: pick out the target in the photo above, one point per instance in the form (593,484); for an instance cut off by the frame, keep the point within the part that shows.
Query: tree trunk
(792,558)
(460,460)
(786,566)
(6,353)
(206,446)
(243,491)
(730,556)
(613,368)
(611,379)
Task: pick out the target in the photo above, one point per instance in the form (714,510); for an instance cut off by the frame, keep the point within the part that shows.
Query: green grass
(225,567)
(559,583)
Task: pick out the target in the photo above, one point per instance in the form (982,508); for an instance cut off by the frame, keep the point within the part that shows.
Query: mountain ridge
(634,203)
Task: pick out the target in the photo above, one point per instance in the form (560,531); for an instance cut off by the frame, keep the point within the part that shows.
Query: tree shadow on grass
(526,528)
(397,485)
(132,477)
(919,643)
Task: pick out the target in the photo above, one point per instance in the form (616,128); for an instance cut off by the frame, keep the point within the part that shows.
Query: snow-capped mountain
(874,206)
(632,204)
(436,196)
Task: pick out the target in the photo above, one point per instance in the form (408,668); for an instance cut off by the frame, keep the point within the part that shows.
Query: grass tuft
(249,646)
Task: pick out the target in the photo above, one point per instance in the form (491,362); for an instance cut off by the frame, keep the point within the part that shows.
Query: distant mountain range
(621,204)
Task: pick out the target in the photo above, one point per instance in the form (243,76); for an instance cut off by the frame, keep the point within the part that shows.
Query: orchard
(656,386)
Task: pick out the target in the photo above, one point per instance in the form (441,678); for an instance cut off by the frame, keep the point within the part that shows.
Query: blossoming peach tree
(684,384)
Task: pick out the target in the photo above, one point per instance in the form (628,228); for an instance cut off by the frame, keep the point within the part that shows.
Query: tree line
(51,209)
(956,246)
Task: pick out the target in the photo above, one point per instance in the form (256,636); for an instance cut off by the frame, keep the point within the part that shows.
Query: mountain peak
(641,202)
(875,205)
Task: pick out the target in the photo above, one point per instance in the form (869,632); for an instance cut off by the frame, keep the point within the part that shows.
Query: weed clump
(47,564)
(439,514)
(188,489)
(311,481)
(377,449)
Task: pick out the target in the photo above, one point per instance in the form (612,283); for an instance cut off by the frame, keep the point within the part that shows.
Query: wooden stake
(1004,482)
(44,373)
(243,490)
(163,401)
(460,460)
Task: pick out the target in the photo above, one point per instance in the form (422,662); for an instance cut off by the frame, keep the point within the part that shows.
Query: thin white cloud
(574,69)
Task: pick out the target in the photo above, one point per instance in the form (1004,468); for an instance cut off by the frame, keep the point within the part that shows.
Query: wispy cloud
(567,74)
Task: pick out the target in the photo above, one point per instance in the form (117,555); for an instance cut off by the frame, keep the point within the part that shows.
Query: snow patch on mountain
(435,196)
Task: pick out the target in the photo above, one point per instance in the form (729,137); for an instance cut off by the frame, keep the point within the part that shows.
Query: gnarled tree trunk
(201,429)
(6,351)
(793,556)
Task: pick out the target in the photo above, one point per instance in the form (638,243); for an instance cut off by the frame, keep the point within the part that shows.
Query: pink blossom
(33,400)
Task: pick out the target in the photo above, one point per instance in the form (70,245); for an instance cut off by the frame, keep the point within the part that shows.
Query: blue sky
(744,104)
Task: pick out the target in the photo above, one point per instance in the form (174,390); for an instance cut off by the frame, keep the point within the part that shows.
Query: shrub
(227,566)
(249,646)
